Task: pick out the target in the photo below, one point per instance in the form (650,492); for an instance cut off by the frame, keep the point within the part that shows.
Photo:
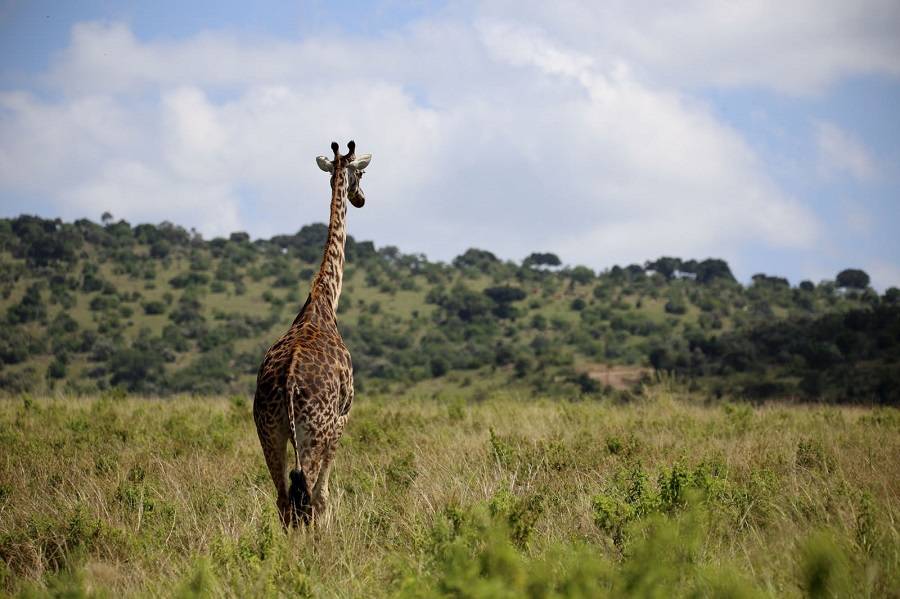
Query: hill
(157,309)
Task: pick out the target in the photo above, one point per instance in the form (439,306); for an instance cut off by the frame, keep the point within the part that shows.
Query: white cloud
(799,47)
(144,194)
(661,172)
(504,136)
(841,152)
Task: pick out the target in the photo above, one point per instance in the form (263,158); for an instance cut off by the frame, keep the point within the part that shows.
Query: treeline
(839,357)
(158,309)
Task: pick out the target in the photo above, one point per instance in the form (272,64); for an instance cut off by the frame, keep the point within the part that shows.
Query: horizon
(766,136)
(744,281)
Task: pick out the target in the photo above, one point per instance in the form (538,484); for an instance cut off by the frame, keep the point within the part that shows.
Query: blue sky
(763,133)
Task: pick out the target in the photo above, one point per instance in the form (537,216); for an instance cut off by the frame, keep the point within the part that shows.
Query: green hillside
(156,309)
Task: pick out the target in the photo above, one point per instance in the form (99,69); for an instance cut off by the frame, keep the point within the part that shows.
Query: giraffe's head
(353,168)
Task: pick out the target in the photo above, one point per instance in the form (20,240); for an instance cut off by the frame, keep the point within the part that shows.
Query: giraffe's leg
(273,439)
(320,492)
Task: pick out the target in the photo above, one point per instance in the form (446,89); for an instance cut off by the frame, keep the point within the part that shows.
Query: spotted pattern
(308,371)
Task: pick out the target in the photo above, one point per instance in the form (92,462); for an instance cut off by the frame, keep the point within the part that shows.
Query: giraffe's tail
(299,496)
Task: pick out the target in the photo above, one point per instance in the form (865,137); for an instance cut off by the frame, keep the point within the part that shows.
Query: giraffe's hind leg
(273,437)
(320,491)
(320,504)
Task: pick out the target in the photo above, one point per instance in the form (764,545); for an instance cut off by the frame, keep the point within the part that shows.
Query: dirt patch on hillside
(617,377)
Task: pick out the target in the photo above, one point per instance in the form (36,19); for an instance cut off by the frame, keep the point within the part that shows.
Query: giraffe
(304,388)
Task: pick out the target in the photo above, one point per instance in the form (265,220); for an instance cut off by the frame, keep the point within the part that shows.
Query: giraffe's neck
(326,287)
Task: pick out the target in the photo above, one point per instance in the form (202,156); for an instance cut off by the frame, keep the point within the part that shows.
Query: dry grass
(450,496)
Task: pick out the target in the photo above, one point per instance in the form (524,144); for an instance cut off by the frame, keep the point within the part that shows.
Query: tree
(306,244)
(634,271)
(711,269)
(666,266)
(154,307)
(616,273)
(160,249)
(503,297)
(582,275)
(30,308)
(761,280)
(675,306)
(12,350)
(106,218)
(57,369)
(541,259)
(853,278)
(43,242)
(474,258)
(463,303)
(504,294)
(137,367)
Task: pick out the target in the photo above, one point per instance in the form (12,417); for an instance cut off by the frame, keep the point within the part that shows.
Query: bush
(154,307)
(101,303)
(581,275)
(505,294)
(676,307)
(56,369)
(189,279)
(30,308)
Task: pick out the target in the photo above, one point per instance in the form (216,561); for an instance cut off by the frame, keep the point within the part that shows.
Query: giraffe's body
(304,388)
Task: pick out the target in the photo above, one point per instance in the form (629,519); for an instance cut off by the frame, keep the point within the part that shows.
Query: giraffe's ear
(324,164)
(361,162)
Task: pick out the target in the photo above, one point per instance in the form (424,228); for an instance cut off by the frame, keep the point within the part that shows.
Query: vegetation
(456,491)
(157,309)
(521,429)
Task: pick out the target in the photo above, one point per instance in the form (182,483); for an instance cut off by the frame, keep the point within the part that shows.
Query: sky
(765,133)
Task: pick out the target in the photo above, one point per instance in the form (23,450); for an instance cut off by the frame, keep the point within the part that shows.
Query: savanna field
(456,490)
(520,429)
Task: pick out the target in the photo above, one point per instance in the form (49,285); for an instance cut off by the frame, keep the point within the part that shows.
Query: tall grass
(506,496)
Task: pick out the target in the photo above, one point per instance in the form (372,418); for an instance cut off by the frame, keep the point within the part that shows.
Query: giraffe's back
(311,364)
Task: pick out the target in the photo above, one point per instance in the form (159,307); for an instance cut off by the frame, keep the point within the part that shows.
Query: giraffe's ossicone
(304,389)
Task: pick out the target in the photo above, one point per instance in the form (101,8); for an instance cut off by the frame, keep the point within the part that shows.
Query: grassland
(455,491)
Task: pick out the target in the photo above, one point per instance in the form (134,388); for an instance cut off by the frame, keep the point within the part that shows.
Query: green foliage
(675,306)
(581,275)
(505,294)
(541,259)
(154,307)
(407,320)
(480,260)
(852,278)
(666,266)
(29,309)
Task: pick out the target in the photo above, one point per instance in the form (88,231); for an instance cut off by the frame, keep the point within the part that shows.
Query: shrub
(154,307)
(30,308)
(677,307)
